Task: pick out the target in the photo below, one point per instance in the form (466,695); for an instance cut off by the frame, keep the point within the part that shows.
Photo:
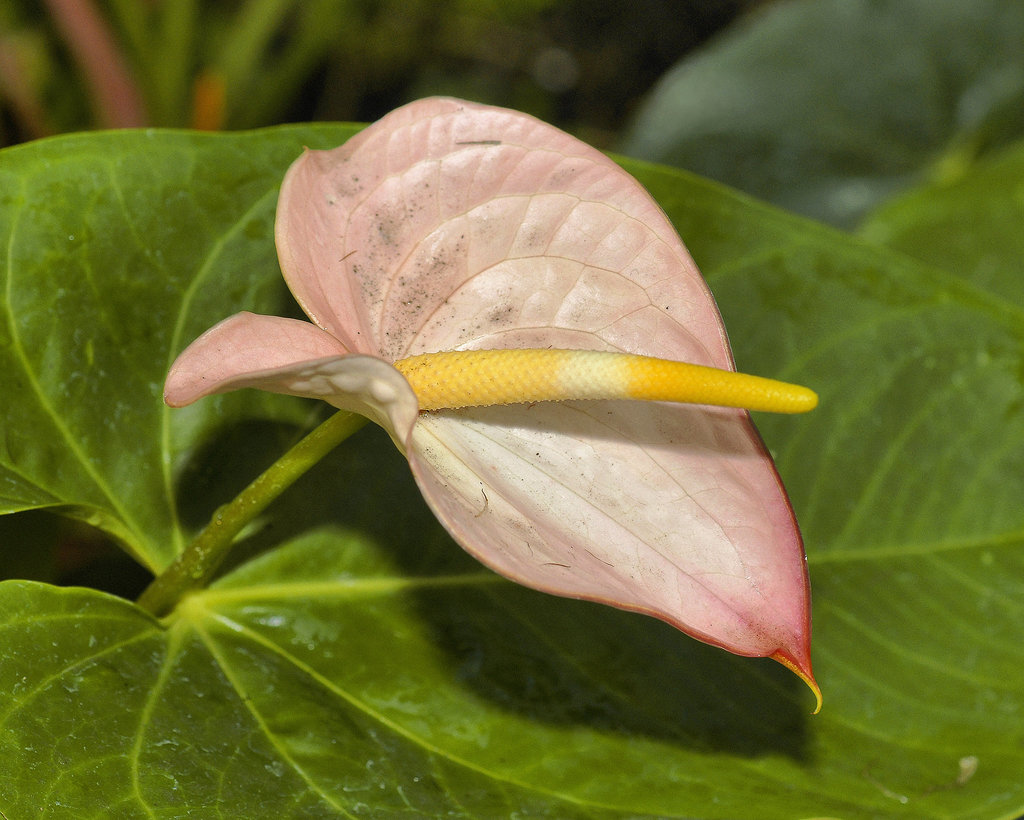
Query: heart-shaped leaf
(404,672)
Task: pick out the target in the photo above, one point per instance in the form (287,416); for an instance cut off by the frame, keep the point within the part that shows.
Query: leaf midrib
(890,552)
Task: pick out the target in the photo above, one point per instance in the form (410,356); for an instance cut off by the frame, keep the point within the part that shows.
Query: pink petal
(450,225)
(240,345)
(666,510)
(293,357)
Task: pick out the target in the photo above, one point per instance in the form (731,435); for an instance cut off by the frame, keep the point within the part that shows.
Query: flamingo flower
(497,294)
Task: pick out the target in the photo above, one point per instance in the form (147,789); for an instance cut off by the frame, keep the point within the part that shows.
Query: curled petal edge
(803,671)
(242,345)
(235,353)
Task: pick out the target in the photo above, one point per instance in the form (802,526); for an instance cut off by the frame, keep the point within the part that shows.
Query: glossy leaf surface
(419,668)
(116,253)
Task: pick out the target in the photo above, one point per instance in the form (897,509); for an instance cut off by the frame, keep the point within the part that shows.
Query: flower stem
(200,559)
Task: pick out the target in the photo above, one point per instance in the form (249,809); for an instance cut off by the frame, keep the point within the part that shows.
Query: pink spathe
(449,225)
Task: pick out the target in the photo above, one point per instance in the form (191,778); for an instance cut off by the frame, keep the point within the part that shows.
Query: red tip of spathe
(802,671)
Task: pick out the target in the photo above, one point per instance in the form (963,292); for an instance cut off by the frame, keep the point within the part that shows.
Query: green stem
(200,560)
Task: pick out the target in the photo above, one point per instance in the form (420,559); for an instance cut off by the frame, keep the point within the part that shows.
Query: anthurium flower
(449,226)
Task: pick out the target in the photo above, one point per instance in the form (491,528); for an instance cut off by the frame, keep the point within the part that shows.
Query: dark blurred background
(69,65)
(823,107)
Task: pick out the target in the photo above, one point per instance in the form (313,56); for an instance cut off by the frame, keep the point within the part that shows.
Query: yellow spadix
(474,378)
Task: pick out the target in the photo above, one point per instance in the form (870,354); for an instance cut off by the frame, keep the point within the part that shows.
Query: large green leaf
(827,107)
(970,226)
(119,251)
(360,664)
(373,669)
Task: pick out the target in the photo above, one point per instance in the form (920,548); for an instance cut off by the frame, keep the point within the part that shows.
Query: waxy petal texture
(450,225)
(651,508)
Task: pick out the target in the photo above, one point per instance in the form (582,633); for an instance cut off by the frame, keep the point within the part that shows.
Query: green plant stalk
(201,558)
(315,31)
(131,20)
(246,45)
(172,75)
(161,39)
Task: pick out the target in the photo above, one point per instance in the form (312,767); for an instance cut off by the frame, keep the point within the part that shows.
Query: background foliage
(72,64)
(353,661)
(828,107)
